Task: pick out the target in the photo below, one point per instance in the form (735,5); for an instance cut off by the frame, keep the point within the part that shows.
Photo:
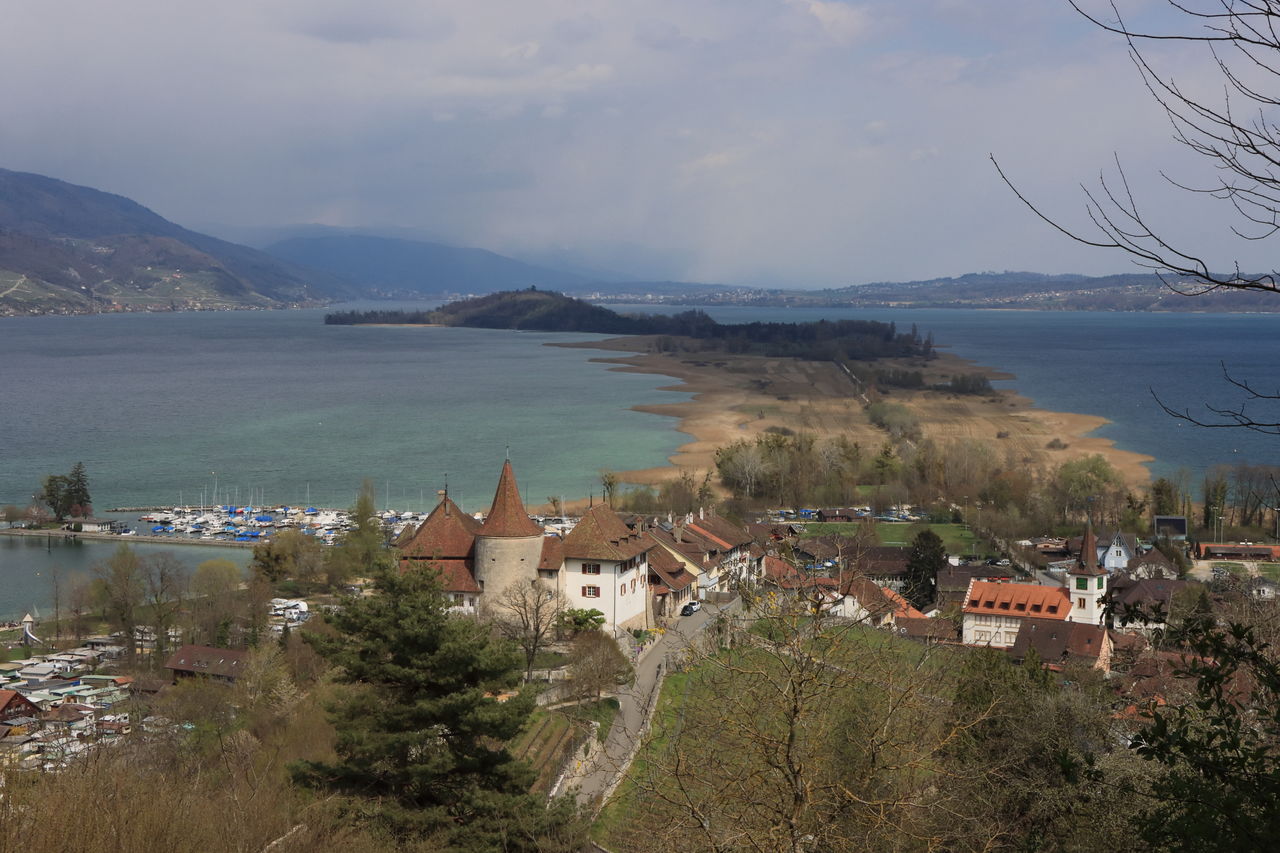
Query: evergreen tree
(422,732)
(928,557)
(77,491)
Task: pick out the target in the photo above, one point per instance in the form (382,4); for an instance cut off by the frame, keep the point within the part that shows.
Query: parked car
(691,608)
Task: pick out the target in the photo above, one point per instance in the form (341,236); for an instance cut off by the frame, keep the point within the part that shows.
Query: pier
(116,537)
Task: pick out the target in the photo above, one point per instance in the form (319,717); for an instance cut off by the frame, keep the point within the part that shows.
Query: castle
(602,563)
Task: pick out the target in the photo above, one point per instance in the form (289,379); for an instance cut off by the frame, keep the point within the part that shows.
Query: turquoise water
(275,407)
(28,564)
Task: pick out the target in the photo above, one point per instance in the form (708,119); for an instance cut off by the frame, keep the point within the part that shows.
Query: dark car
(691,608)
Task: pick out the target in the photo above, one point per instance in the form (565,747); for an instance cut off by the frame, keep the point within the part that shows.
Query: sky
(814,143)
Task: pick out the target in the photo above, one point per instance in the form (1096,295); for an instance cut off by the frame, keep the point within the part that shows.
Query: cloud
(762,141)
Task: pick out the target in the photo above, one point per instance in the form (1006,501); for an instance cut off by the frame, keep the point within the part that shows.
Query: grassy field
(871,682)
(1237,569)
(1269,570)
(957,538)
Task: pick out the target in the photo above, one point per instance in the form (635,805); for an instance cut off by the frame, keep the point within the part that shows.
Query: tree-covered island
(547,311)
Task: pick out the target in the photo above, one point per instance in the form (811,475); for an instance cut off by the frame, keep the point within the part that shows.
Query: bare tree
(1237,134)
(165,579)
(598,665)
(527,612)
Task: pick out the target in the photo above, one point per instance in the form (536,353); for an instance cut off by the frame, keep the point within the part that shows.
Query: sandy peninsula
(736,396)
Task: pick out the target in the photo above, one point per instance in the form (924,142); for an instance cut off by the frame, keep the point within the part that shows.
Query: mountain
(400,267)
(72,249)
(1029,290)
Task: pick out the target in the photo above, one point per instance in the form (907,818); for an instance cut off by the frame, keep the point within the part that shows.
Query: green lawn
(1233,568)
(956,538)
(1269,570)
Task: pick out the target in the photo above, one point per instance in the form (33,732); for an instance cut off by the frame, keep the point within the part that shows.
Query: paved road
(633,702)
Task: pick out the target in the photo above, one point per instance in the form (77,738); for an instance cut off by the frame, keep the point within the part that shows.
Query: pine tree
(928,556)
(422,731)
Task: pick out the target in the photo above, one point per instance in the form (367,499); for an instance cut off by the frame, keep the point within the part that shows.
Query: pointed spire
(507,517)
(1089,552)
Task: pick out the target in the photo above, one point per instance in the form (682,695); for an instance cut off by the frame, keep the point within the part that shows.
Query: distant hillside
(539,310)
(1124,292)
(397,267)
(67,248)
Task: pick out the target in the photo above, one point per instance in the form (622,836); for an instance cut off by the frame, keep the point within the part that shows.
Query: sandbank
(739,397)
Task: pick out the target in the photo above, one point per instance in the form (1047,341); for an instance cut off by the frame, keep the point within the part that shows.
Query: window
(1082,583)
(633,584)
(622,590)
(591,592)
(1080,603)
(1100,583)
(591,568)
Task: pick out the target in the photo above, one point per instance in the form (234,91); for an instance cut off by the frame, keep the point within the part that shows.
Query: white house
(606,568)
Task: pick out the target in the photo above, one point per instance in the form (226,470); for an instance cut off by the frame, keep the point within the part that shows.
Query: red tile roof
(868,594)
(1018,599)
(722,532)
(904,608)
(455,575)
(601,535)
(552,559)
(507,517)
(447,533)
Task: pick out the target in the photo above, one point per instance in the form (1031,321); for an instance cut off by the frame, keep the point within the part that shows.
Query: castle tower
(509,543)
(1087,582)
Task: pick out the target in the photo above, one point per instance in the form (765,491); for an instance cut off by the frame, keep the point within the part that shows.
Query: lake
(275,407)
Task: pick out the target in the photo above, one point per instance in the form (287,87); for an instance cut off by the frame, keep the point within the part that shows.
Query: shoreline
(740,397)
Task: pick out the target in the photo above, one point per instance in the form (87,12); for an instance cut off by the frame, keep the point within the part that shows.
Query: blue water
(275,407)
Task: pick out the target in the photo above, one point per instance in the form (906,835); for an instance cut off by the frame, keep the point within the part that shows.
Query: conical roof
(1088,564)
(447,533)
(507,516)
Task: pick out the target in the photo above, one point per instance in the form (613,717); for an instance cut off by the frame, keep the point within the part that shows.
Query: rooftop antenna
(508,453)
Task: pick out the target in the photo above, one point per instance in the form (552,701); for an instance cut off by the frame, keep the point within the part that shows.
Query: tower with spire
(1087,582)
(509,543)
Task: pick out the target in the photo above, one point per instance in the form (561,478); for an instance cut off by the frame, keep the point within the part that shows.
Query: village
(1100,601)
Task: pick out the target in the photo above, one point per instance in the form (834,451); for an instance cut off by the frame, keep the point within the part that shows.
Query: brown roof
(209,660)
(507,517)
(552,554)
(924,628)
(601,535)
(721,531)
(1018,599)
(868,594)
(447,533)
(1056,642)
(670,571)
(13,703)
(455,575)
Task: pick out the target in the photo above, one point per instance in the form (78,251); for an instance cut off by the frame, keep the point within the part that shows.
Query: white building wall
(622,594)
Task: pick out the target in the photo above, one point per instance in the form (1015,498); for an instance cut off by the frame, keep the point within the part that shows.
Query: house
(1152,564)
(994,612)
(606,567)
(1058,643)
(884,564)
(953,581)
(926,630)
(811,589)
(863,600)
(729,557)
(670,583)
(1135,602)
(14,705)
(207,661)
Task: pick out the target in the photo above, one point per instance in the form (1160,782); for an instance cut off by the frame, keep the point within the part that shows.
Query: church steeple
(1087,582)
